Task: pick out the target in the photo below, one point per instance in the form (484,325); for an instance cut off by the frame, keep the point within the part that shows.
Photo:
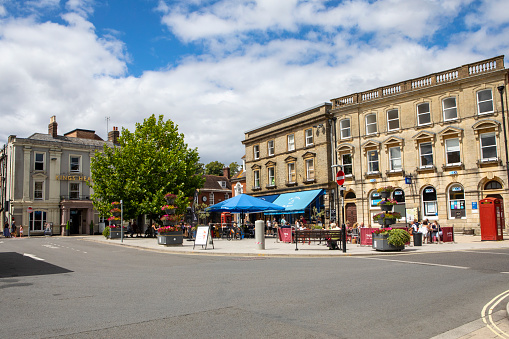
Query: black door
(75,221)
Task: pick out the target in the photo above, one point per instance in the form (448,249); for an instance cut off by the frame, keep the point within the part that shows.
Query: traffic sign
(30,209)
(340,177)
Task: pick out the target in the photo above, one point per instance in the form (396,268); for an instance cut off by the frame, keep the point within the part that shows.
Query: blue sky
(220,68)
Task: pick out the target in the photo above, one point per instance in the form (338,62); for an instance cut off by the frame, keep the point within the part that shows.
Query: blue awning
(296,202)
(269,198)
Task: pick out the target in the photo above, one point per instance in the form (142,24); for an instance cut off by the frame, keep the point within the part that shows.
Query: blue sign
(474,205)
(408,180)
(453,172)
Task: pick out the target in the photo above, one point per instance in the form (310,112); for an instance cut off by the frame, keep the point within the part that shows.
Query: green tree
(214,168)
(147,164)
(234,168)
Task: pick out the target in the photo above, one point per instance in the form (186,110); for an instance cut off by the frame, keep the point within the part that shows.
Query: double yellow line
(487,311)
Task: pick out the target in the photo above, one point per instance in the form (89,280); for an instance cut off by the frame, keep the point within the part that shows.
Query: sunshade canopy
(244,203)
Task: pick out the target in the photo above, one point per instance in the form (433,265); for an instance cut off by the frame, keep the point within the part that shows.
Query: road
(68,287)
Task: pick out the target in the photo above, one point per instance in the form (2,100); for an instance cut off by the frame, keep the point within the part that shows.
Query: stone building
(437,139)
(49,173)
(288,160)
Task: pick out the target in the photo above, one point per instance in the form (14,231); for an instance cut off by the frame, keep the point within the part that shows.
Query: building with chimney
(50,174)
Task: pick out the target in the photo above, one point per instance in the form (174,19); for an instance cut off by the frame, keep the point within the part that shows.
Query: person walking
(7,234)
(13,228)
(21,231)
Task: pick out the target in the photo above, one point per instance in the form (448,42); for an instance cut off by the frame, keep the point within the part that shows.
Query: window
(37,220)
(256,179)
(371,124)
(392,120)
(310,169)
(375,198)
(456,202)
(344,126)
(429,200)
(256,151)
(346,160)
(423,114)
(75,163)
(485,101)
(226,196)
(211,199)
(309,137)
(395,158)
(426,154)
(493,185)
(373,162)
(450,110)
(39,162)
(291,142)
(270,147)
(38,190)
(452,149)
(223,184)
(271,177)
(74,190)
(292,176)
(488,147)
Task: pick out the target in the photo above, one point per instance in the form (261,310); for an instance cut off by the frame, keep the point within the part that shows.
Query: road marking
(419,263)
(489,322)
(32,256)
(50,246)
(484,252)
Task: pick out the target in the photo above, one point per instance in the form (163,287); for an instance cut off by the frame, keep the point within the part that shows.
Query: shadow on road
(13,264)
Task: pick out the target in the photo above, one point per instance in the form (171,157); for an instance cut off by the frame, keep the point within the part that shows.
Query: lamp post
(501,91)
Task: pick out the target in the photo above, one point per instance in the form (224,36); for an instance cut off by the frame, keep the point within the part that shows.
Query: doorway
(75,221)
(351,213)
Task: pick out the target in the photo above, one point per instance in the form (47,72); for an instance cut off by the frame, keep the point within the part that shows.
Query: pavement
(493,325)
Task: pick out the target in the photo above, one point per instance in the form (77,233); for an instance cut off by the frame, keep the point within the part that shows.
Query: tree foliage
(214,168)
(234,168)
(148,163)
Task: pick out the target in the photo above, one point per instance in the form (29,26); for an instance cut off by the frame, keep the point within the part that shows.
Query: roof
(68,140)
(239,176)
(212,182)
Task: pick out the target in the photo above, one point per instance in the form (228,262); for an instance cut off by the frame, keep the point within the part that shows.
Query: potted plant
(168,209)
(115,212)
(170,235)
(385,191)
(386,204)
(390,239)
(170,198)
(386,218)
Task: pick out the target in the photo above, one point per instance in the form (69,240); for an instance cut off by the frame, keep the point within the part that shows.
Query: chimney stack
(113,135)
(226,172)
(52,127)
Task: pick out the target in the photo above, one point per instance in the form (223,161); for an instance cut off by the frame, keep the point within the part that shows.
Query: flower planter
(169,211)
(170,238)
(380,243)
(386,208)
(170,201)
(116,214)
(385,194)
(115,233)
(386,222)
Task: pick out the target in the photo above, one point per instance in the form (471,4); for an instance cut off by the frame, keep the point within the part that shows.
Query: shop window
(488,147)
(344,126)
(452,148)
(270,147)
(392,120)
(395,158)
(375,198)
(38,190)
(37,220)
(310,169)
(373,162)
(39,162)
(292,176)
(423,114)
(493,185)
(449,108)
(347,164)
(456,202)
(256,179)
(256,152)
(426,154)
(371,124)
(291,142)
(75,163)
(429,201)
(271,178)
(485,101)
(309,137)
(399,196)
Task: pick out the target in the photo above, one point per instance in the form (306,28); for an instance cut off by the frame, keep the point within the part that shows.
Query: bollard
(260,234)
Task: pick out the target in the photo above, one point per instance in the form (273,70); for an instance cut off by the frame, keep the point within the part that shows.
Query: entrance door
(351,213)
(75,221)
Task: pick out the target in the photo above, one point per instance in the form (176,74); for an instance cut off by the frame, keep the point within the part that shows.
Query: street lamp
(501,91)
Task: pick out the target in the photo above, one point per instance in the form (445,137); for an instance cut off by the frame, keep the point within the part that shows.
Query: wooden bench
(317,235)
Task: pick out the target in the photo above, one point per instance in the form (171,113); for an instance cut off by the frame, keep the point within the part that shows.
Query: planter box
(171,239)
(386,208)
(385,194)
(115,234)
(386,222)
(380,243)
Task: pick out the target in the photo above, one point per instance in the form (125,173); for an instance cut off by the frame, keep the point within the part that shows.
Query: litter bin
(418,239)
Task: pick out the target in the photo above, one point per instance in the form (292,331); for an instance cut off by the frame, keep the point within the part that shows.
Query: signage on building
(77,177)
(429,190)
(457,189)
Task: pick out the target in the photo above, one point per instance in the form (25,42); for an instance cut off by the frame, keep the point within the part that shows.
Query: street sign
(340,177)
(29,209)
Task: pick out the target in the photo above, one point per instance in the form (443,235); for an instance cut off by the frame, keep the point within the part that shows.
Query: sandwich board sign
(203,237)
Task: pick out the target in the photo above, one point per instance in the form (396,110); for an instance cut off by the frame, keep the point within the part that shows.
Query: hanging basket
(386,208)
(385,194)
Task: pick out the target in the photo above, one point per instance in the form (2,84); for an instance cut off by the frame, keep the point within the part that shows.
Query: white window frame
(71,163)
(270,147)
(72,192)
(345,165)
(368,125)
(309,136)
(291,142)
(256,152)
(429,207)
(41,190)
(479,102)
(450,149)
(43,162)
(271,176)
(292,174)
(392,159)
(444,110)
(481,137)
(345,130)
(422,114)
(211,199)
(310,169)
(421,155)
(392,120)
(256,178)
(371,162)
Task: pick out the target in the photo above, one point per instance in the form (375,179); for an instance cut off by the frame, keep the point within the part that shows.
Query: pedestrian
(269,227)
(435,227)
(303,221)
(13,228)
(7,234)
(21,231)
(423,229)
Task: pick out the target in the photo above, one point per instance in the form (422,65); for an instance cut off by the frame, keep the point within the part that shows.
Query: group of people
(12,231)
(431,232)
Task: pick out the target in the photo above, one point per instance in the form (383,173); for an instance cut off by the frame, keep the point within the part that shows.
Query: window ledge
(372,174)
(291,183)
(269,187)
(350,138)
(455,165)
(448,122)
(394,131)
(484,115)
(395,172)
(428,125)
(426,168)
(489,162)
(309,181)
(257,188)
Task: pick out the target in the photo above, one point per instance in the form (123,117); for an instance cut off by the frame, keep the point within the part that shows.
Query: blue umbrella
(244,203)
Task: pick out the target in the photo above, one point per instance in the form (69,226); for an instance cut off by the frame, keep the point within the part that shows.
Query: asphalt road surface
(71,288)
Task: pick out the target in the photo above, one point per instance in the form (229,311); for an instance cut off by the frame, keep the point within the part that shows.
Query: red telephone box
(491,214)
(226,219)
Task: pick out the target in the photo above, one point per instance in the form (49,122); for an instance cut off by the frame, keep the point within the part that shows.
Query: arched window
(374,198)
(429,202)
(350,195)
(456,196)
(492,185)
(399,196)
